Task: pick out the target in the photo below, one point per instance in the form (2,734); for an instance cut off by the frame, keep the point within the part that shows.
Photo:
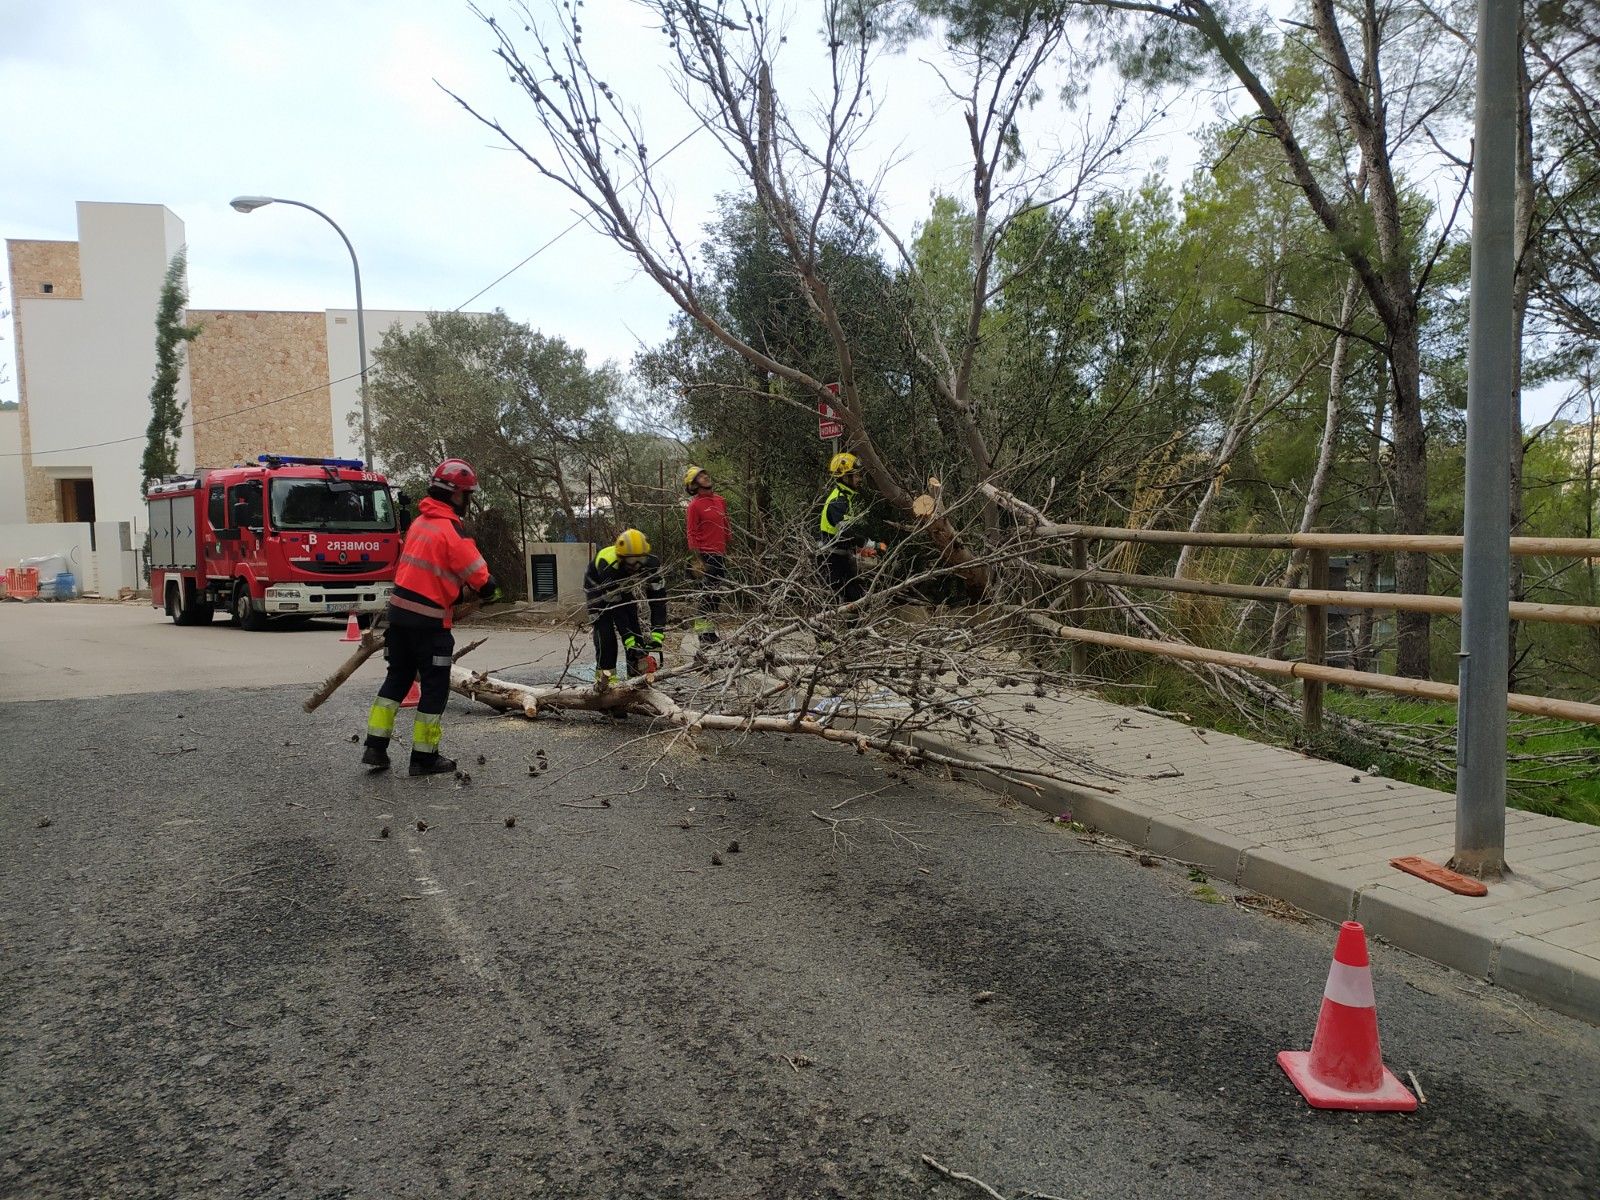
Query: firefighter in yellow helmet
(837,544)
(610,587)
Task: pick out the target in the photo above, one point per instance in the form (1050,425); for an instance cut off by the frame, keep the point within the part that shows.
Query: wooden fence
(1312,670)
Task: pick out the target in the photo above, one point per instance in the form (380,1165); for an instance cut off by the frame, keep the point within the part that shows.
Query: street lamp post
(247,204)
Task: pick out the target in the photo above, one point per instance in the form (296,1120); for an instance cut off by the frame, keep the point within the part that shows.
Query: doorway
(75,500)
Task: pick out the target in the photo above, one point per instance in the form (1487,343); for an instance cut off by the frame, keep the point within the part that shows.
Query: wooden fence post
(1316,641)
(1080,601)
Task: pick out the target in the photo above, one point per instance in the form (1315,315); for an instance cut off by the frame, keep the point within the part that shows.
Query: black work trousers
(423,653)
(613,626)
(713,577)
(840,570)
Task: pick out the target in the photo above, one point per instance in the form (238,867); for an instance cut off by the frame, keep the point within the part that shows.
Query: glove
(658,642)
(490,592)
(870,550)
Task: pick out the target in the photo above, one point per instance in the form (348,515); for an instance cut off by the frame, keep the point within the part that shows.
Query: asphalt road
(221,979)
(55,651)
(58,651)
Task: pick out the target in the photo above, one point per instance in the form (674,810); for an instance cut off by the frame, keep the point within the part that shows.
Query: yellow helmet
(632,544)
(842,464)
(690,476)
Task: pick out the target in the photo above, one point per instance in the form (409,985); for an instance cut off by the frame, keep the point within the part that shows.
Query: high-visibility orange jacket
(436,562)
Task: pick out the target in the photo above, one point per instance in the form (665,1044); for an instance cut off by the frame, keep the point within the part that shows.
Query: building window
(47,288)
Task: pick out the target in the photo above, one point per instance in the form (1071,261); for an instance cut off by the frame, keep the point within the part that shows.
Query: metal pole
(1486,574)
(361,324)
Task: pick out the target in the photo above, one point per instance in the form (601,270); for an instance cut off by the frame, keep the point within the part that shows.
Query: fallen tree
(883,674)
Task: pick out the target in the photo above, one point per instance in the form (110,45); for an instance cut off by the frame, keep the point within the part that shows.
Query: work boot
(376,755)
(423,763)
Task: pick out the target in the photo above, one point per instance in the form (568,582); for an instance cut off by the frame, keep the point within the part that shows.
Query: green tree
(525,409)
(173,333)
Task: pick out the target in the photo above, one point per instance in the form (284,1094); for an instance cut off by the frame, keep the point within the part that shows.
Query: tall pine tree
(166,411)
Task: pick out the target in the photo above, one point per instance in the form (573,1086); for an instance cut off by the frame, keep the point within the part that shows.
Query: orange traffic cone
(1344,1068)
(352,629)
(414,695)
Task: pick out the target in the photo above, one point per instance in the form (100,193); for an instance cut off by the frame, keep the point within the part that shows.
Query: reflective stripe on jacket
(838,514)
(608,584)
(436,562)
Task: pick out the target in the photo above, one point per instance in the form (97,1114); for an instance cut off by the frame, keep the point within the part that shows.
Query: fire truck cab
(289,536)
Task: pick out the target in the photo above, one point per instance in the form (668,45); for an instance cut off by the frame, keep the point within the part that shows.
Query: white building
(84,313)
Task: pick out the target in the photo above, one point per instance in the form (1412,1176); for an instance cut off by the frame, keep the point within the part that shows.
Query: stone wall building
(83,316)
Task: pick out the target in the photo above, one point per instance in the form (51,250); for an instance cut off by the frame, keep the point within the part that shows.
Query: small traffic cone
(352,629)
(414,695)
(1344,1068)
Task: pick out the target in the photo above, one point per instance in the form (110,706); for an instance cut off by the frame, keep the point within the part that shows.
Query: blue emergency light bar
(296,460)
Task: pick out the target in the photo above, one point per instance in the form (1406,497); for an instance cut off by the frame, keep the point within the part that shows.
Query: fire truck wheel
(245,615)
(182,613)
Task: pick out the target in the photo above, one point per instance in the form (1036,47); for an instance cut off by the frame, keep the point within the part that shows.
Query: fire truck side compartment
(173,539)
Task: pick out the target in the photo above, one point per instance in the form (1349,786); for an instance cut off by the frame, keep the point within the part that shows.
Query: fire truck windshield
(341,506)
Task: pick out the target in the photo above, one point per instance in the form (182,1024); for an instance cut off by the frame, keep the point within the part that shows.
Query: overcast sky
(188,103)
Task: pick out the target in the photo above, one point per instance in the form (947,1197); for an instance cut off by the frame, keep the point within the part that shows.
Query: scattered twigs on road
(841,838)
(962,1177)
(860,796)
(974,1181)
(1416,1086)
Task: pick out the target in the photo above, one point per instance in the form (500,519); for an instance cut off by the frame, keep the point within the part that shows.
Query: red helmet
(454,475)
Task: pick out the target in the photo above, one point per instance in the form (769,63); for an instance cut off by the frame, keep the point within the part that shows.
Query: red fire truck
(290,536)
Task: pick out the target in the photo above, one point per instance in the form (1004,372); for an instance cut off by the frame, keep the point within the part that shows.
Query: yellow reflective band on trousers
(380,718)
(425,734)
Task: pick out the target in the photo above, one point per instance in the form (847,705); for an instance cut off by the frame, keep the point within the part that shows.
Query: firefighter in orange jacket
(436,563)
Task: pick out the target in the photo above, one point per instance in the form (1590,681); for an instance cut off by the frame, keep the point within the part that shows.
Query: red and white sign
(828,423)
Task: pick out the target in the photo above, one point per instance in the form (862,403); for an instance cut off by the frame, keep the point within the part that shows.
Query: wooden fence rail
(1312,671)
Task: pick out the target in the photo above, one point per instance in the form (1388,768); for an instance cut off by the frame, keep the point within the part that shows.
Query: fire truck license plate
(335,608)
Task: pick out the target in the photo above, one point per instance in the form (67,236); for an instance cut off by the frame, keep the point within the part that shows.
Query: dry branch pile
(887,673)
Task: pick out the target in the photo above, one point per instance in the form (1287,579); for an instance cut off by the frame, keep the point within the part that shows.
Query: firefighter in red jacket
(706,524)
(436,563)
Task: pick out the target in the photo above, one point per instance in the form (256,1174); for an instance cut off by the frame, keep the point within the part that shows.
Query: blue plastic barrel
(66,585)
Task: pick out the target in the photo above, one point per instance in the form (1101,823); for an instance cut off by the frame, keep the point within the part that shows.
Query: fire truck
(289,536)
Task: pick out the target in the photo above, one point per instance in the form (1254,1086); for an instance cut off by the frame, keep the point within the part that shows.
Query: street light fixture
(247,204)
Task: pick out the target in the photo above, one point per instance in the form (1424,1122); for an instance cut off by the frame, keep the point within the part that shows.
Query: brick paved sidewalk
(1320,836)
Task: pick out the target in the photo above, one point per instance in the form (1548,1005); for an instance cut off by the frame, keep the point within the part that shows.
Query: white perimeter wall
(13,494)
(95,556)
(344,399)
(90,362)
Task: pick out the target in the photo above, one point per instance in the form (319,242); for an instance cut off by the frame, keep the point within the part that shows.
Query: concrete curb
(1556,978)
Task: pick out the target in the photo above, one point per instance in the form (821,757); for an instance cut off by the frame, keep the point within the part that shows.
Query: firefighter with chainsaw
(706,530)
(437,563)
(837,546)
(610,587)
